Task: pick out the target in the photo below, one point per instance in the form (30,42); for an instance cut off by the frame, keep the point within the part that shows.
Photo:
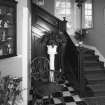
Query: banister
(76,62)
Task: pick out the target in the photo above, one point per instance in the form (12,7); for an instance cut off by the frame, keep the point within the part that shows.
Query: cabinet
(7,28)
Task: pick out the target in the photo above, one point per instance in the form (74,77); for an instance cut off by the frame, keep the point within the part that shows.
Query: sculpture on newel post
(54,41)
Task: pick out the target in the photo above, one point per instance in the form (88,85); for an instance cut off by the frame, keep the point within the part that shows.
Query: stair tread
(95,64)
(97,88)
(94,73)
(95,76)
(91,57)
(86,56)
(93,68)
(90,61)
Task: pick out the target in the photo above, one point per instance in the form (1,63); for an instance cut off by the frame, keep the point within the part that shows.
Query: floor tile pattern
(67,96)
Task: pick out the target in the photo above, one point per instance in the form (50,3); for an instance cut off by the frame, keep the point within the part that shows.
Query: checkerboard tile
(77,98)
(66,93)
(67,96)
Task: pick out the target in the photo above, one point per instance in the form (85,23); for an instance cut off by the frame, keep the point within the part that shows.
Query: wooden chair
(40,78)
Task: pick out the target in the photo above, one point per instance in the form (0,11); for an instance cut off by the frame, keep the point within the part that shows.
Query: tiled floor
(67,96)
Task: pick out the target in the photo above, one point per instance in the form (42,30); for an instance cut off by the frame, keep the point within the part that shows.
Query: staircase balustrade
(75,60)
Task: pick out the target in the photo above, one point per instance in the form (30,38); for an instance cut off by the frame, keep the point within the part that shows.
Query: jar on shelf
(9,46)
(0,11)
(0,23)
(3,36)
(1,51)
(5,25)
(9,49)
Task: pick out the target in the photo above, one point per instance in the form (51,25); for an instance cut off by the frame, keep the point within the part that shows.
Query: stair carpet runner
(67,96)
(94,72)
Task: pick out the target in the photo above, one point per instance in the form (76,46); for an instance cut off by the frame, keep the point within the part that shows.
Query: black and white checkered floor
(67,96)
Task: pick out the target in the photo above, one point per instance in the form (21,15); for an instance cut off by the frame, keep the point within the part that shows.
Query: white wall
(20,64)
(96,36)
(13,65)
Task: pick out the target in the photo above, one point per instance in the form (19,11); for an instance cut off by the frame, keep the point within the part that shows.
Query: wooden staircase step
(91,61)
(91,52)
(98,89)
(96,64)
(94,70)
(95,78)
(94,73)
(91,57)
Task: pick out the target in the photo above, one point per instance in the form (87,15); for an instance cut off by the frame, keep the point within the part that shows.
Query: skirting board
(97,52)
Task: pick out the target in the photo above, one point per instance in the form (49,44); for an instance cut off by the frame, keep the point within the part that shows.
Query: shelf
(3,42)
(7,29)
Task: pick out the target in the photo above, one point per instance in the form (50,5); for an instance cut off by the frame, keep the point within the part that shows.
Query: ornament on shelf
(1,51)
(5,25)
(9,45)
(0,23)
(0,11)
(3,36)
(9,49)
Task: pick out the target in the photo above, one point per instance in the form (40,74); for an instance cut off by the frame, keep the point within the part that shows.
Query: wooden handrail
(76,61)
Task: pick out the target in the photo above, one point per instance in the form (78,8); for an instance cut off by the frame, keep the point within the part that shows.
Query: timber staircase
(94,73)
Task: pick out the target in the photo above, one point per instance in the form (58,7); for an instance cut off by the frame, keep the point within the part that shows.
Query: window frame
(69,21)
(89,15)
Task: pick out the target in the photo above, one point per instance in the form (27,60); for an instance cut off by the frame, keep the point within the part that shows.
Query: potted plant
(79,2)
(53,38)
(80,35)
(10,90)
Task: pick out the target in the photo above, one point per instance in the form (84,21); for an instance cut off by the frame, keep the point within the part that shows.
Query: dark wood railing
(74,65)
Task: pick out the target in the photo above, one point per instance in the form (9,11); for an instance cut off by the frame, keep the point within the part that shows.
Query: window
(88,14)
(63,9)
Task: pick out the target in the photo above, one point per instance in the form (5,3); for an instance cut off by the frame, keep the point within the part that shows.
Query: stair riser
(92,64)
(101,64)
(90,61)
(91,56)
(92,72)
(93,82)
(101,93)
(89,52)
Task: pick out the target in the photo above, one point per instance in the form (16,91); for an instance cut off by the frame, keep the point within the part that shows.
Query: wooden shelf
(3,42)
(7,28)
